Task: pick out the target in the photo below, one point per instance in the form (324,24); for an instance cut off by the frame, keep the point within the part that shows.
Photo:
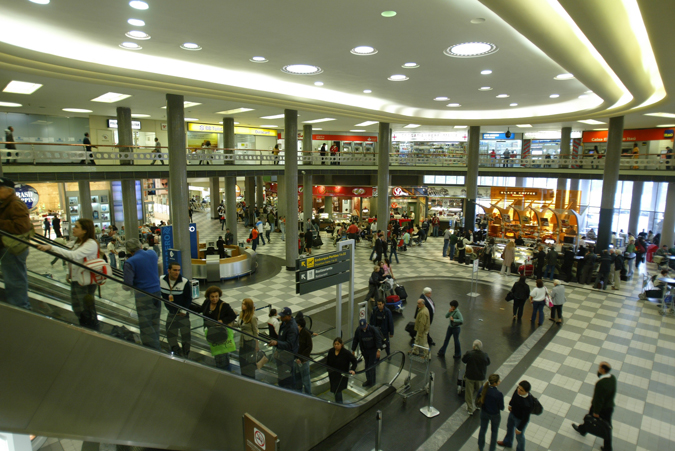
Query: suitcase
(393,299)
(317,242)
(395,304)
(526,270)
(410,328)
(400,291)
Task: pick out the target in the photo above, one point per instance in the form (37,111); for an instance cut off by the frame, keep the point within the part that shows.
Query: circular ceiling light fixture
(471,49)
(301,69)
(318,83)
(410,66)
(139,5)
(40,2)
(130,46)
(486,72)
(258,59)
(388,13)
(364,50)
(136,34)
(191,46)
(563,77)
(513,104)
(441,99)
(554,96)
(502,96)
(77,110)
(485,88)
(367,91)
(10,104)
(398,77)
(453,105)
(136,22)
(477,20)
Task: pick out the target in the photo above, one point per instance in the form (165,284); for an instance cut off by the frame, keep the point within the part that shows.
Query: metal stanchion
(378,434)
(430,411)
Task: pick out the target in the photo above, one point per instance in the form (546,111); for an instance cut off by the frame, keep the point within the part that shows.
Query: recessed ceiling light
(563,77)
(366,123)
(139,5)
(477,20)
(191,119)
(583,96)
(461,126)
(276,116)
(136,22)
(77,110)
(301,69)
(111,97)
(40,2)
(21,87)
(502,96)
(441,99)
(316,128)
(316,121)
(660,114)
(318,83)
(486,72)
(357,130)
(269,126)
(523,125)
(485,88)
(453,105)
(258,59)
(600,129)
(398,78)
(367,91)
(364,50)
(235,111)
(513,104)
(471,49)
(140,115)
(130,46)
(591,121)
(10,104)
(666,125)
(191,46)
(410,65)
(137,34)
(186,104)
(388,13)
(412,126)
(554,96)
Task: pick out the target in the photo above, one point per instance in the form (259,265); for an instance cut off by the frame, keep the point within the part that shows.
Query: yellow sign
(215,128)
(323,260)
(310,262)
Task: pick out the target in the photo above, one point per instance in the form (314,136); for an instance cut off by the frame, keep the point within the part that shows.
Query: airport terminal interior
(239,225)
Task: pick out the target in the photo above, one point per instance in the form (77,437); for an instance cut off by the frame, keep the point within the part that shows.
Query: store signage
(194,241)
(398,191)
(28,195)
(441,136)
(135,125)
(333,191)
(488,136)
(644,134)
(498,193)
(549,134)
(167,244)
(216,128)
(354,138)
(257,436)
(456,192)
(174,256)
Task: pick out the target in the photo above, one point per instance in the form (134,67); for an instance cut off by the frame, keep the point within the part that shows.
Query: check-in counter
(241,262)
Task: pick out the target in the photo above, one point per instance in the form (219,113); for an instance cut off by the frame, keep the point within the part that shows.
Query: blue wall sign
(167,244)
(28,195)
(194,242)
(489,136)
(174,256)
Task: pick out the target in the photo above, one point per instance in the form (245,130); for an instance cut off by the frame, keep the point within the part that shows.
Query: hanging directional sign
(322,271)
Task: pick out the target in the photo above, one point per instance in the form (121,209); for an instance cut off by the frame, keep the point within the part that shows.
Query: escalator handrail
(150,295)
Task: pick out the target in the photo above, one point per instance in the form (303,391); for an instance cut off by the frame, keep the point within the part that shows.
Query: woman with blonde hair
(508,256)
(248,346)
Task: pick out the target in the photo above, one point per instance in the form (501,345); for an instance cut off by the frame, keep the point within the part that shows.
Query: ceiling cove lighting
(276,116)
(471,49)
(301,69)
(40,2)
(136,22)
(235,111)
(513,104)
(191,46)
(660,114)
(410,66)
(139,5)
(412,126)
(111,97)
(186,104)
(191,119)
(269,126)
(77,110)
(563,77)
(502,96)
(583,96)
(398,77)
(140,115)
(485,88)
(441,99)
(523,125)
(461,126)
(130,46)
(453,105)
(10,104)
(21,87)
(666,125)
(366,124)
(592,122)
(137,34)
(258,59)
(364,50)
(388,13)
(357,131)
(316,121)
(486,72)
(367,91)
(554,96)
(318,83)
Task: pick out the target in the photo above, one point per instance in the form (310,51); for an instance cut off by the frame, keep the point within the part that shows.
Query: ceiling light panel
(10,104)
(258,59)
(21,87)
(554,96)
(364,50)
(591,121)
(485,88)
(660,114)
(486,72)
(139,115)
(412,126)
(318,83)
(137,34)
(111,97)
(410,65)
(502,96)
(130,46)
(191,119)
(441,99)
(471,49)
(366,123)
(454,105)
(136,22)
(564,77)
(357,131)
(367,91)
(40,2)
(276,116)
(666,125)
(523,125)
(191,46)
(461,126)
(388,13)
(513,104)
(139,5)
(398,77)
(316,121)
(235,111)
(77,110)
(269,126)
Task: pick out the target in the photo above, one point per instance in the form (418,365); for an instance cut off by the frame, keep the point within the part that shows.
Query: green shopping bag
(225,347)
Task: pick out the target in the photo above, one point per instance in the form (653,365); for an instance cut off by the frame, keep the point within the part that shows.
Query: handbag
(509,296)
(14,246)
(597,426)
(547,299)
(217,334)
(226,346)
(89,278)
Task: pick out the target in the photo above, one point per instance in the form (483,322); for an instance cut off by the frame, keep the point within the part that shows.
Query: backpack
(537,408)
(89,278)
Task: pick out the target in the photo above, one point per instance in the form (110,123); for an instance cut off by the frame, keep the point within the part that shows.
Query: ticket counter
(241,262)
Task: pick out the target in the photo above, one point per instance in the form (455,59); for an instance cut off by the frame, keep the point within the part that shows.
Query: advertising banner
(643,134)
(167,244)
(28,195)
(194,241)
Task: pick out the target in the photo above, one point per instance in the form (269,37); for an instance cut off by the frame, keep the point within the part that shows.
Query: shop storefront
(208,139)
(442,144)
(545,146)
(651,144)
(410,201)
(497,146)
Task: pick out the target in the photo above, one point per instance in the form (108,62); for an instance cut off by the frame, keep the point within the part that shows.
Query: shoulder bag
(14,246)
(85,278)
(217,333)
(548,300)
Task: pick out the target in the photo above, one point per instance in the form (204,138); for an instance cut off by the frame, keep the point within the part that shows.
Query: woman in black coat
(340,361)
(521,293)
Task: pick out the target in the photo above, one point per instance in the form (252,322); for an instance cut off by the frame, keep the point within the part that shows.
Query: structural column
(471,177)
(228,138)
(574,197)
(230,180)
(259,191)
(565,147)
(178,185)
(307,196)
(282,207)
(291,179)
(560,193)
(520,182)
(215,196)
(249,194)
(130,208)
(610,180)
(307,142)
(124,132)
(384,147)
(635,208)
(668,232)
(85,199)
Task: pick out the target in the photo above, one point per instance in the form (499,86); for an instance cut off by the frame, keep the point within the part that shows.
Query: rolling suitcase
(394,303)
(400,291)
(526,270)
(317,242)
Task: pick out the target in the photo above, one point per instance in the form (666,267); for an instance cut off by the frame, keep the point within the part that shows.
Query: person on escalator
(305,346)
(84,248)
(340,363)
(220,311)
(370,342)
(248,341)
(287,347)
(178,292)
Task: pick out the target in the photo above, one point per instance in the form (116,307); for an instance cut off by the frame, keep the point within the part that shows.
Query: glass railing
(137,316)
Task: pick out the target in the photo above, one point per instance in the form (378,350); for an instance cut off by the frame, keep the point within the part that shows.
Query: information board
(322,271)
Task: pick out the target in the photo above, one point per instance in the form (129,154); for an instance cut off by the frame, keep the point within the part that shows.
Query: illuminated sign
(135,125)
(551,134)
(28,195)
(215,128)
(645,134)
(441,136)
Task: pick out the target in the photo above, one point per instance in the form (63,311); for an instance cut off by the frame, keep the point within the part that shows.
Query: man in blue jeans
(456,320)
(446,241)
(303,382)
(520,408)
(14,219)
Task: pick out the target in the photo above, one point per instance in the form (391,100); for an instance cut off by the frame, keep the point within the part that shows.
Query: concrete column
(307,141)
(282,205)
(635,208)
(130,208)
(520,182)
(328,206)
(249,191)
(560,193)
(215,196)
(124,131)
(574,186)
(668,232)
(228,138)
(179,194)
(259,191)
(291,179)
(610,180)
(471,177)
(384,147)
(307,196)
(565,147)
(231,205)
(63,200)
(86,210)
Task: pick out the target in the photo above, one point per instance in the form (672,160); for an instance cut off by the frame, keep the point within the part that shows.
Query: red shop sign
(643,134)
(372,139)
(333,191)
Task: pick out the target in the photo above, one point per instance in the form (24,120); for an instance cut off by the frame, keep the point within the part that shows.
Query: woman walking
(508,256)
(248,345)
(538,299)
(492,403)
(340,361)
(521,292)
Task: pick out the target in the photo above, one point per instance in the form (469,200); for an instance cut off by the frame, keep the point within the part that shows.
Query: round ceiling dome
(471,49)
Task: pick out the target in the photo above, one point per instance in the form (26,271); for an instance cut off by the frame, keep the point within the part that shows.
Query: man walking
(520,408)
(456,320)
(429,304)
(382,318)
(446,241)
(452,242)
(56,225)
(422,324)
(157,150)
(602,405)
(370,343)
(88,155)
(178,291)
(287,346)
(477,362)
(618,266)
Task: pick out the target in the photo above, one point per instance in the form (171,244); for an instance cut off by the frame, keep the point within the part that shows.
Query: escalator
(63,380)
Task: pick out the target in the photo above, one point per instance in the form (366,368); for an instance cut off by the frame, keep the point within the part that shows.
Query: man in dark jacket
(384,320)
(589,263)
(178,291)
(370,343)
(603,272)
(477,362)
(287,341)
(551,262)
(305,346)
(568,263)
(14,219)
(56,225)
(540,263)
(520,408)
(618,267)
(9,143)
(229,237)
(602,405)
(431,306)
